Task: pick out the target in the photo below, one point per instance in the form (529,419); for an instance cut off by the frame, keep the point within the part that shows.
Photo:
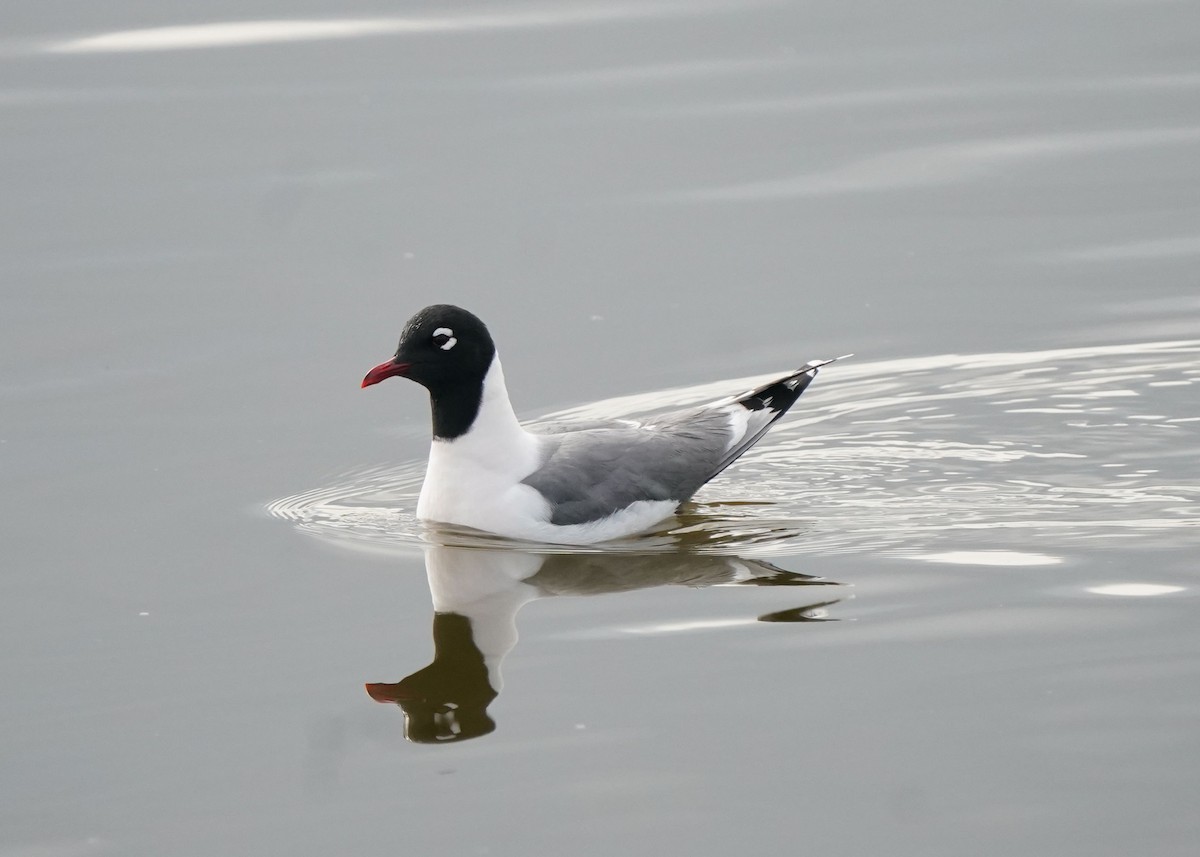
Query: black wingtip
(778,395)
(775,397)
(781,394)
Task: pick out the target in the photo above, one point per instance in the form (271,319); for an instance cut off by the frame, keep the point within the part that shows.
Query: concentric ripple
(1041,450)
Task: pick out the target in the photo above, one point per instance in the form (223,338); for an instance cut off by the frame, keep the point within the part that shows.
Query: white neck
(496,421)
(469,476)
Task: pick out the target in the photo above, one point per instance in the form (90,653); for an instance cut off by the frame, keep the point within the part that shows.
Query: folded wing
(590,474)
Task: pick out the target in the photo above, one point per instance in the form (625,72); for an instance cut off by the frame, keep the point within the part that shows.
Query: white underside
(497,502)
(475,481)
(639,517)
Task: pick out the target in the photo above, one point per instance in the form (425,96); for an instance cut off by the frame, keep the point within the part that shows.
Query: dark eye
(443,338)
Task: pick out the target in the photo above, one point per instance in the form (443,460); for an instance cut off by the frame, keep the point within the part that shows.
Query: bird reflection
(477,594)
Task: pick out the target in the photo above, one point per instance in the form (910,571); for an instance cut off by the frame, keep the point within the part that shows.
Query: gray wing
(588,475)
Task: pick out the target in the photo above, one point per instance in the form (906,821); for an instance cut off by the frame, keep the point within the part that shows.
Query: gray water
(942,610)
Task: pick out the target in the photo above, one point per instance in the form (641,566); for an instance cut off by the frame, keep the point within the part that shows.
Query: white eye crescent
(448,335)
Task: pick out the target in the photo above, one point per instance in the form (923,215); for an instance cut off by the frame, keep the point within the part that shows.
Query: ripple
(1137,251)
(1065,448)
(946,163)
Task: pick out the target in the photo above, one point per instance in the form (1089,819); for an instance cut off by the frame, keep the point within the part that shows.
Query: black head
(448,351)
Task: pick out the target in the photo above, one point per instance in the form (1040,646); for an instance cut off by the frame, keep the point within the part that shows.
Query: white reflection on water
(946,163)
(987,453)
(1136,251)
(903,95)
(632,75)
(224,34)
(999,558)
(1135,590)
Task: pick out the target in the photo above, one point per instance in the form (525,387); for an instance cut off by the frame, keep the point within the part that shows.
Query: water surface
(946,608)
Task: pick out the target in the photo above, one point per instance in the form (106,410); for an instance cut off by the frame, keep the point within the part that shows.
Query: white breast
(474,480)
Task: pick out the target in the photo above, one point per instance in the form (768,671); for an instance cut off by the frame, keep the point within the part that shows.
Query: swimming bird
(561,483)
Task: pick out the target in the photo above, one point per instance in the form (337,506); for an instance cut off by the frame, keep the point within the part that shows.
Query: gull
(572,483)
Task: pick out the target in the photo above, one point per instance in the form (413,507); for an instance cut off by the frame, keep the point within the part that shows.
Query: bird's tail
(782,393)
(770,402)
